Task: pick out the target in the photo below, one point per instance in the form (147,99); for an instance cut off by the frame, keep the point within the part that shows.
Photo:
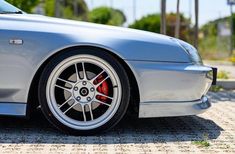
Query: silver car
(84,76)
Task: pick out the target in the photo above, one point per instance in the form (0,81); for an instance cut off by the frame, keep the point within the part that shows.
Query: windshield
(6,8)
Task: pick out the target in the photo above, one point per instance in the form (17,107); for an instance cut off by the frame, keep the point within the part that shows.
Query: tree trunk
(75,7)
(163,16)
(177,24)
(231,26)
(196,25)
(57,8)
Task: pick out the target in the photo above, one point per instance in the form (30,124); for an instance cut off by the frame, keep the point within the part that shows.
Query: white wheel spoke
(100,94)
(83,112)
(100,102)
(69,99)
(84,71)
(75,98)
(66,81)
(101,82)
(74,104)
(90,108)
(77,73)
(92,80)
(64,88)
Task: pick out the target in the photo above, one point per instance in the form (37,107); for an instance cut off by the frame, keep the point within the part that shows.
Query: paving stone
(157,135)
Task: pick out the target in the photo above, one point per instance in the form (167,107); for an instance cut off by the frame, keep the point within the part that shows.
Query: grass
(216,88)
(223,75)
(203,143)
(212,48)
(220,75)
(232,59)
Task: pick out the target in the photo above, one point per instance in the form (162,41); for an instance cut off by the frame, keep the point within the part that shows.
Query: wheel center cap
(84,92)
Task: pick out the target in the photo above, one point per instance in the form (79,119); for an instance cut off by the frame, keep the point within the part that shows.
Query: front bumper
(172,89)
(172,109)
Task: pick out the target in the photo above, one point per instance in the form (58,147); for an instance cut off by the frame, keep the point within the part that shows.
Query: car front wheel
(84,92)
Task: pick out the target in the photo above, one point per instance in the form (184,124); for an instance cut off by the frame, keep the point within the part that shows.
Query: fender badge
(16,41)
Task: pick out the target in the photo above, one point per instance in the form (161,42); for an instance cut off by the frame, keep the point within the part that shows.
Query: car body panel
(127,43)
(173,109)
(13,109)
(171,81)
(162,68)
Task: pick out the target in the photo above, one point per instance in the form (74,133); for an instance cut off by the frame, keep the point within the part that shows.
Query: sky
(208,9)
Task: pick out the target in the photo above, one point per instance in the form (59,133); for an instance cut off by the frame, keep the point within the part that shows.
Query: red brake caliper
(103,88)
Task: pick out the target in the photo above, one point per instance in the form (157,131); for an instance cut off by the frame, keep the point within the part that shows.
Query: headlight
(193,53)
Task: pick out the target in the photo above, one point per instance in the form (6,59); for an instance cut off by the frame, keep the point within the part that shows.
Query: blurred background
(208,25)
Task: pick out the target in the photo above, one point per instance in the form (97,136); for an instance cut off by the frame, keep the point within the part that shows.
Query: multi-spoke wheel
(84,92)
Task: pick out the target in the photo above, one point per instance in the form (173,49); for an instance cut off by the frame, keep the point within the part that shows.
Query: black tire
(88,51)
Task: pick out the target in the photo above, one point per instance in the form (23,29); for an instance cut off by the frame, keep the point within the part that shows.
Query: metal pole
(231,25)
(57,8)
(196,25)
(190,20)
(75,7)
(177,23)
(163,16)
(190,10)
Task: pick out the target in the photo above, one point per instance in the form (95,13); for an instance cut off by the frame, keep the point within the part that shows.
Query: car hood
(51,24)
(53,35)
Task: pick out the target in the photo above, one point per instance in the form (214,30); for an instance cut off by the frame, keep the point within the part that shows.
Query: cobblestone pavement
(215,129)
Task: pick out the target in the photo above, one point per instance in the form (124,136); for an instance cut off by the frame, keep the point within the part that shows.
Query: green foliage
(49,7)
(208,48)
(25,5)
(152,23)
(203,143)
(118,18)
(210,29)
(216,88)
(185,29)
(106,15)
(232,59)
(70,9)
(223,75)
(211,46)
(100,15)
(220,75)
(68,13)
(75,9)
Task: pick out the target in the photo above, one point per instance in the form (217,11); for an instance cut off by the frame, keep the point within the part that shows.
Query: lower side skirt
(13,109)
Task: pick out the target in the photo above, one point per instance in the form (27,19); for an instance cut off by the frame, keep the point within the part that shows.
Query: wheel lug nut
(88,99)
(92,89)
(75,88)
(78,98)
(84,83)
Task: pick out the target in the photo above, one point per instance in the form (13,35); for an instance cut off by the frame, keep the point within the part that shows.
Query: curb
(227,84)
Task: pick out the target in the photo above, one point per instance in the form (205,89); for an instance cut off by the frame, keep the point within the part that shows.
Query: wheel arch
(32,99)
